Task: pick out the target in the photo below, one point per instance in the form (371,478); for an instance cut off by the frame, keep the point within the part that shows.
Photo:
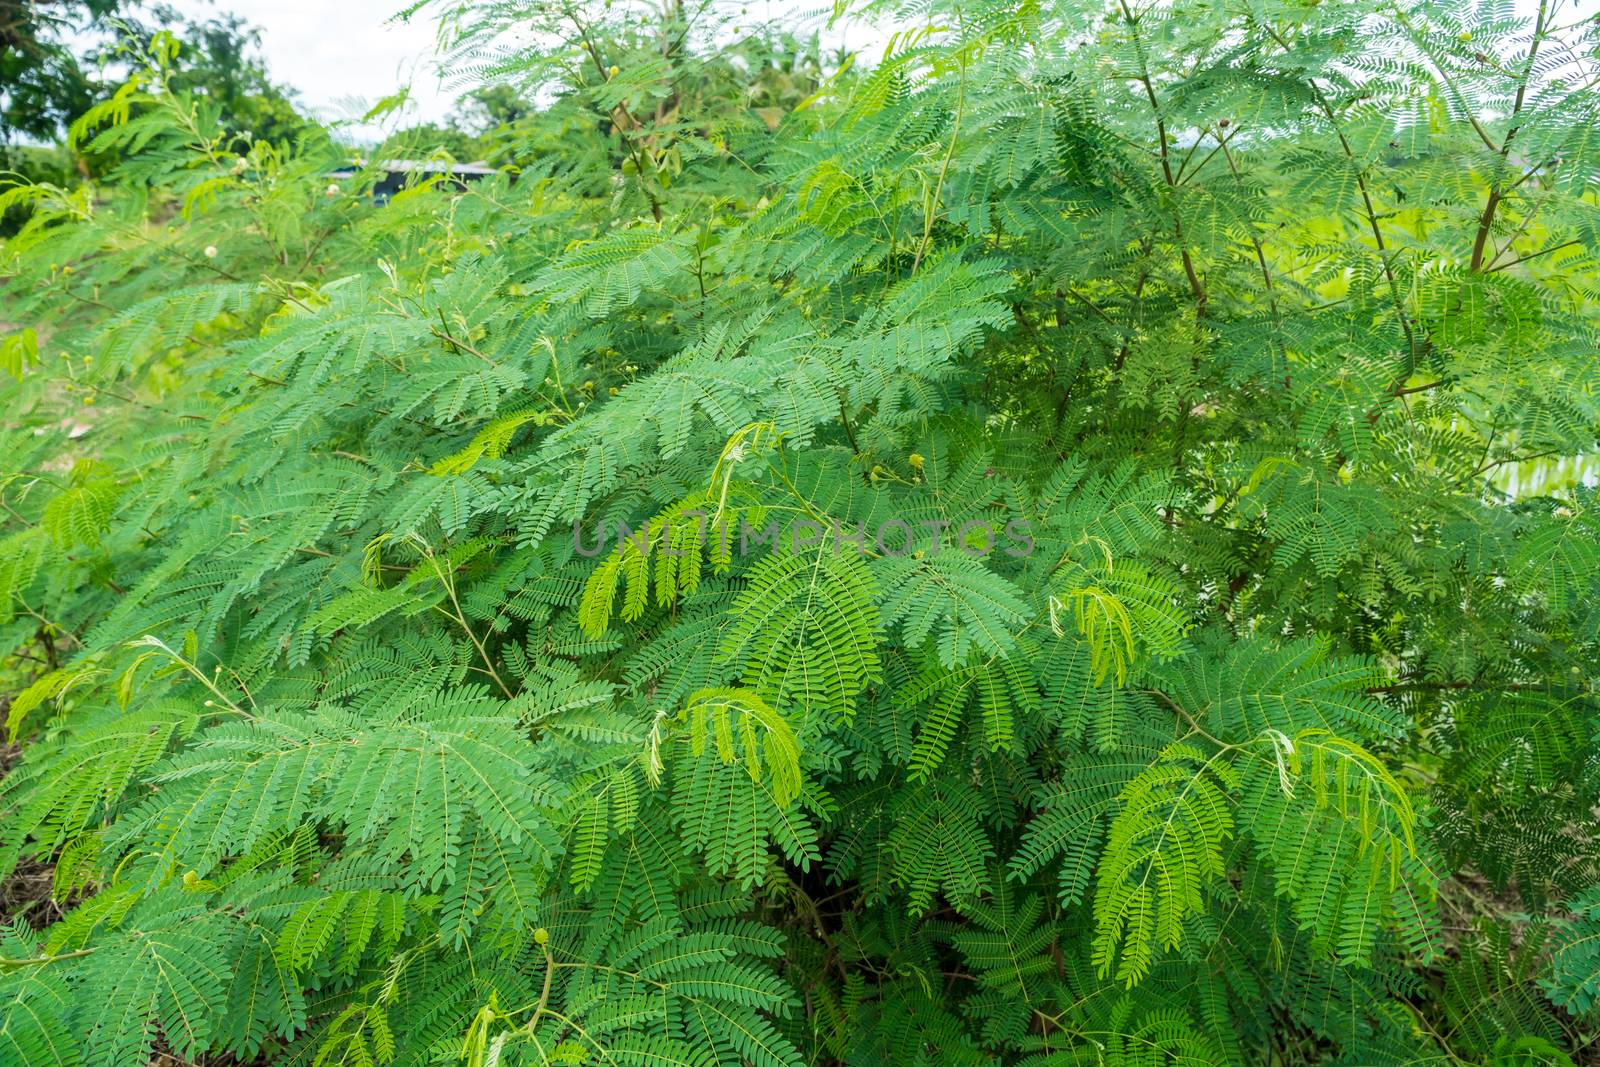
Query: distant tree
(217,60)
(431,138)
(43,84)
(494,106)
(484,124)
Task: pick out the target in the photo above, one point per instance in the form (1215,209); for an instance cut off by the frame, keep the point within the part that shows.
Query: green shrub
(1058,602)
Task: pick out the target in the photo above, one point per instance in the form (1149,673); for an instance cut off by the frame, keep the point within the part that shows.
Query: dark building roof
(397,172)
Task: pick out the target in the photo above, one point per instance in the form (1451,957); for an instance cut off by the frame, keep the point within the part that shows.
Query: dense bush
(1071,608)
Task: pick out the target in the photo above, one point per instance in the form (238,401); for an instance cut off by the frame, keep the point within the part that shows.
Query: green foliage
(1162,849)
(217,61)
(43,83)
(1024,549)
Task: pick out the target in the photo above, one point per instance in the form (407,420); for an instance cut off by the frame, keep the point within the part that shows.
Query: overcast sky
(343,55)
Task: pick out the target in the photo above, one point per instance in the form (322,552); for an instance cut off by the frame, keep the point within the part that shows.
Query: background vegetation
(327,744)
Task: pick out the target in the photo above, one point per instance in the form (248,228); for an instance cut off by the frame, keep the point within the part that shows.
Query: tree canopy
(42,81)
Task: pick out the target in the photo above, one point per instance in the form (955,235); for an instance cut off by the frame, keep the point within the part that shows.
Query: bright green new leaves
(743,728)
(1069,825)
(1340,834)
(19,352)
(669,552)
(1120,610)
(1163,854)
(490,442)
(732,819)
(728,815)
